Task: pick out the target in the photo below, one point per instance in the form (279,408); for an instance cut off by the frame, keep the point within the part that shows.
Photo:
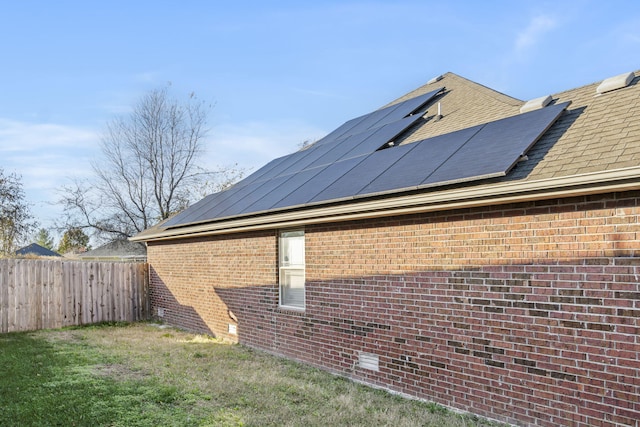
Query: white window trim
(299,266)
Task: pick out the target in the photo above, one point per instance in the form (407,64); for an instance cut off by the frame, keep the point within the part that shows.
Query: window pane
(292,287)
(299,233)
(292,251)
(292,274)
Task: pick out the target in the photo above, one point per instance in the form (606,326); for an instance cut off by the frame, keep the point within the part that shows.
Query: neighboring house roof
(36,249)
(584,141)
(117,250)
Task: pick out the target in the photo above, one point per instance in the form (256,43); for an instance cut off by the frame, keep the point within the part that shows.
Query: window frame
(286,268)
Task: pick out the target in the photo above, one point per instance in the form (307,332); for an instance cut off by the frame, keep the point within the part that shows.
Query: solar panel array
(354,161)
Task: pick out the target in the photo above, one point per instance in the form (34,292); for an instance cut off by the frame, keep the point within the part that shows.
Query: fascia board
(467,197)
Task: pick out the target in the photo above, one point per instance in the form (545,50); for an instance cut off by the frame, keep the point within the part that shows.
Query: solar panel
(317,183)
(377,119)
(364,142)
(334,151)
(261,172)
(495,149)
(394,112)
(380,117)
(341,132)
(351,162)
(287,162)
(411,105)
(274,190)
(369,167)
(257,191)
(427,155)
(335,148)
(226,200)
(204,208)
(308,161)
(188,215)
(376,138)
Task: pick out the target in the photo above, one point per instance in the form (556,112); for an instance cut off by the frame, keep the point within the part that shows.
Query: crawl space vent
(368,361)
(616,82)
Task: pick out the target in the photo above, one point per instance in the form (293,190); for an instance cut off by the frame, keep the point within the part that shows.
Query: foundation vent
(536,104)
(616,82)
(369,361)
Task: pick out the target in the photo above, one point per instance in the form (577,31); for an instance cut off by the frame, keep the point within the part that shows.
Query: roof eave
(471,196)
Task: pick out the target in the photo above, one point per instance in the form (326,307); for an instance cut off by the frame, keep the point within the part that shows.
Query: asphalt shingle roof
(37,250)
(117,249)
(597,132)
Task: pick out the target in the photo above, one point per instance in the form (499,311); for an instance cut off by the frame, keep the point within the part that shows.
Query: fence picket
(37,294)
(4,296)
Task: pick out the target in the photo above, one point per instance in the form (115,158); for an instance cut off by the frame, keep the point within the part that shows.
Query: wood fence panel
(53,311)
(103,292)
(66,300)
(85,295)
(38,294)
(36,286)
(4,297)
(119,298)
(46,297)
(21,296)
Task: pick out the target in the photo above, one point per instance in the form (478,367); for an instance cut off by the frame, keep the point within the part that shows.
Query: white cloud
(45,156)
(18,136)
(534,32)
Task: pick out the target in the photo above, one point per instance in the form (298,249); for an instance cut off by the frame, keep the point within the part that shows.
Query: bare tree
(148,170)
(15,217)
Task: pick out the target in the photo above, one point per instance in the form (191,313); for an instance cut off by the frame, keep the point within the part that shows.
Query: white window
(292,269)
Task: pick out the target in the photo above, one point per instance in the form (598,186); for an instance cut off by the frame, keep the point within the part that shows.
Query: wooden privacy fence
(43,294)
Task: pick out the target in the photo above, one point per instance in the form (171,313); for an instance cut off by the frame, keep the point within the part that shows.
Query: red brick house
(458,245)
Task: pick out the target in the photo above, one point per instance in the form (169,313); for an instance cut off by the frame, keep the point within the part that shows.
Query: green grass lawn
(142,375)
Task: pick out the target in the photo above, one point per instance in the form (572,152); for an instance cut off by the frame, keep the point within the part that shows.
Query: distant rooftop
(117,250)
(35,249)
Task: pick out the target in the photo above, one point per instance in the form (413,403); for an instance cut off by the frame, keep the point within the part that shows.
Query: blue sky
(278,73)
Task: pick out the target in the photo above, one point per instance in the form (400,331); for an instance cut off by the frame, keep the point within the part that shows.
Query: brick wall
(524,313)
(188,279)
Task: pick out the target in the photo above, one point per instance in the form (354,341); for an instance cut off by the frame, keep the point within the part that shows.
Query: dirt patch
(69,336)
(118,372)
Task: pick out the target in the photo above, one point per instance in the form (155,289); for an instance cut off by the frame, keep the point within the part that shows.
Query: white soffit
(536,104)
(616,82)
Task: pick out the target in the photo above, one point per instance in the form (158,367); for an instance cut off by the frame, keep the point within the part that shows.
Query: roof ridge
(636,74)
(492,93)
(499,96)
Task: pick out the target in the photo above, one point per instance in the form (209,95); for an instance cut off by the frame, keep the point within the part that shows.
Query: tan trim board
(493,194)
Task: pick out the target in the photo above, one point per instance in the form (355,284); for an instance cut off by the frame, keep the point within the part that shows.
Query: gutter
(488,195)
